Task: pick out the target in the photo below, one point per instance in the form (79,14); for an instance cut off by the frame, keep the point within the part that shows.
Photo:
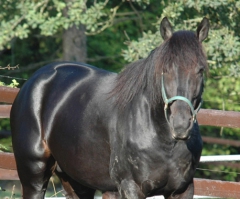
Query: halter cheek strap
(168,101)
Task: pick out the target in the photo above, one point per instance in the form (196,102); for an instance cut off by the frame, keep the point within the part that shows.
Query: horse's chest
(157,169)
(180,173)
(168,176)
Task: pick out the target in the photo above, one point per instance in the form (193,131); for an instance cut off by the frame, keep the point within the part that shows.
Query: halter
(167,101)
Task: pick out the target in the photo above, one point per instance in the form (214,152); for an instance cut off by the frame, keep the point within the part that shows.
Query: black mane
(183,49)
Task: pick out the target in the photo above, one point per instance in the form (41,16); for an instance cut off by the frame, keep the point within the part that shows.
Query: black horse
(123,133)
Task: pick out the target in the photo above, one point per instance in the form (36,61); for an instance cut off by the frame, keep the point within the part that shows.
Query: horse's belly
(87,169)
(84,156)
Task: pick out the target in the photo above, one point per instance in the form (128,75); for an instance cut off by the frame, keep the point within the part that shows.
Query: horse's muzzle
(184,136)
(181,126)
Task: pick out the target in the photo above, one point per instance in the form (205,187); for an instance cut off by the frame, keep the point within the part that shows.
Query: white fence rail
(220,158)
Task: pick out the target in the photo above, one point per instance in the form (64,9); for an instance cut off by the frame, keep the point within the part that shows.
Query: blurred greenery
(120,32)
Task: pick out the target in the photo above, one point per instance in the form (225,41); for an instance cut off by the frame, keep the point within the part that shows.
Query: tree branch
(107,23)
(139,16)
(9,67)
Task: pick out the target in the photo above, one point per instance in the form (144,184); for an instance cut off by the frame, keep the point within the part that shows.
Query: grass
(12,189)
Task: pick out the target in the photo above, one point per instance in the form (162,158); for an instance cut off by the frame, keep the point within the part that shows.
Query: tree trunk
(75,44)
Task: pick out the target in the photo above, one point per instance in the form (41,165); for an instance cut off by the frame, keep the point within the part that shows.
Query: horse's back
(62,111)
(61,86)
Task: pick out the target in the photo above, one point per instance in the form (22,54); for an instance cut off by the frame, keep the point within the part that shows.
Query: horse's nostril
(181,126)
(183,137)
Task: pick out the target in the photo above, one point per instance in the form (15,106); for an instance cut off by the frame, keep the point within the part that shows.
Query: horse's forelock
(182,50)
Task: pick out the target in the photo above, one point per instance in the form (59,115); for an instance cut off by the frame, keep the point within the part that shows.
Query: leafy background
(119,32)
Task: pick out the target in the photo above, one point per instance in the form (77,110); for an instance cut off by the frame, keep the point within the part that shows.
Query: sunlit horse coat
(100,130)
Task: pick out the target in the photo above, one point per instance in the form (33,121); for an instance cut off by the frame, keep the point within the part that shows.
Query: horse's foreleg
(187,194)
(130,190)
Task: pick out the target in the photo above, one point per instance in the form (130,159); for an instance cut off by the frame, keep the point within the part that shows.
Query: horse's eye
(200,72)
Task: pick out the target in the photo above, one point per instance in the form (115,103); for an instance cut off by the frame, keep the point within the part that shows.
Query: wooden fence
(203,187)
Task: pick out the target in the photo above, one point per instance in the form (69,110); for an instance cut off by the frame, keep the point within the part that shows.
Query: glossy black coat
(99,130)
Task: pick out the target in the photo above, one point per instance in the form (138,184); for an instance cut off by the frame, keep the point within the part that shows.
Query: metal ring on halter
(167,101)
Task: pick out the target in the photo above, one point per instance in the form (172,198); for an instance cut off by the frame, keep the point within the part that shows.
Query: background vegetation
(110,34)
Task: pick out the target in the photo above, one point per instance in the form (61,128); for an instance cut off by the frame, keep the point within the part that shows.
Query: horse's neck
(152,116)
(160,123)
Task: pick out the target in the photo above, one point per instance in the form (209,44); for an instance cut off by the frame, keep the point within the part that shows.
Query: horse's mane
(183,49)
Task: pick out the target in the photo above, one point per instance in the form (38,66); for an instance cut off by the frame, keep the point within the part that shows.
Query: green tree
(60,27)
(31,34)
(223,45)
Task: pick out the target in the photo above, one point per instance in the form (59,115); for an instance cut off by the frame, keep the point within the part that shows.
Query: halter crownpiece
(167,101)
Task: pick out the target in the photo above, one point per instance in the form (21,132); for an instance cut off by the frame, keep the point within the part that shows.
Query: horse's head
(182,76)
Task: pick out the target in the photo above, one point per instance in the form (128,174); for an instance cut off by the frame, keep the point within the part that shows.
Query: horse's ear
(165,29)
(202,30)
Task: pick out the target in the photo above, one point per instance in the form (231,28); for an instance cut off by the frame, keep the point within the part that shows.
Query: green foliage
(105,49)
(14,84)
(4,145)
(223,93)
(49,17)
(31,36)
(5,123)
(141,48)
(223,45)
